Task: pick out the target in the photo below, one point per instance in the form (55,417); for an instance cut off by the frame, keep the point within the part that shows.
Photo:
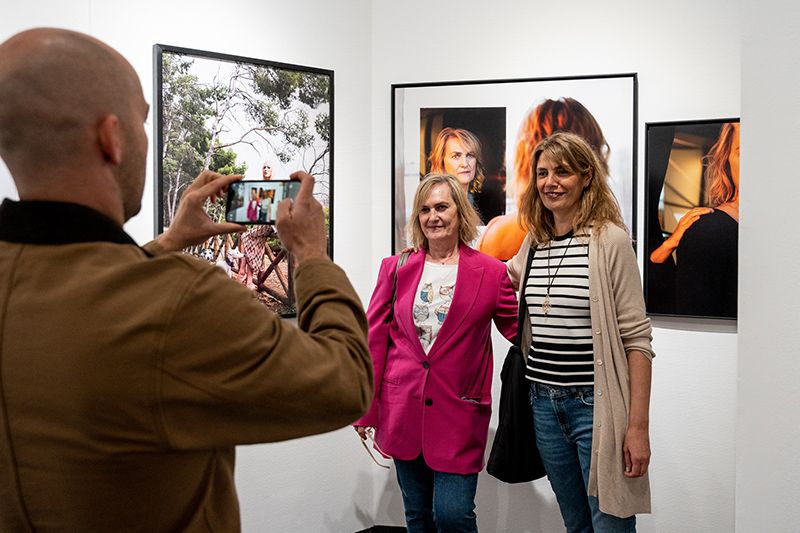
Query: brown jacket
(126,379)
(619,324)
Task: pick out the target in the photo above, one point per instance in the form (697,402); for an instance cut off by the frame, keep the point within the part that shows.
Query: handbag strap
(400,262)
(522,303)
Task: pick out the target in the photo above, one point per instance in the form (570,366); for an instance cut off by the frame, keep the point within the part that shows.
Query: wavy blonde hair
(719,185)
(468,218)
(597,207)
(470,142)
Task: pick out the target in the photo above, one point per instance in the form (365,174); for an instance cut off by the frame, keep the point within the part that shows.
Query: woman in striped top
(589,359)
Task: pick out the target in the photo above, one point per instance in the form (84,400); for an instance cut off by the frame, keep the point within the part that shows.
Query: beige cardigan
(620,324)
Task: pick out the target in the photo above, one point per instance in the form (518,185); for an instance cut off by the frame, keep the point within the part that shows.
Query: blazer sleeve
(626,284)
(229,371)
(505,317)
(380,305)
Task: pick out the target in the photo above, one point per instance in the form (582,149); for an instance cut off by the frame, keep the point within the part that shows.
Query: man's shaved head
(55,87)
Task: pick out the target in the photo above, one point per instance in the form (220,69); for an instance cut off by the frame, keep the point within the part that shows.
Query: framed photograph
(239,115)
(692,218)
(498,123)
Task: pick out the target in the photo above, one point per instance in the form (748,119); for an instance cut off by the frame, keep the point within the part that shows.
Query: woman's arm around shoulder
(505,317)
(506,305)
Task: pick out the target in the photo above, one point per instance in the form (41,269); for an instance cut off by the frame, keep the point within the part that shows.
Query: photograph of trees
(236,115)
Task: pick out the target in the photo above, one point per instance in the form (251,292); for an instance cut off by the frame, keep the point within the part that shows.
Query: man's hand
(301,223)
(191,224)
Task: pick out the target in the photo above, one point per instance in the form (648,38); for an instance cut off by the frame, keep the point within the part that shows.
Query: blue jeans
(563,417)
(436,501)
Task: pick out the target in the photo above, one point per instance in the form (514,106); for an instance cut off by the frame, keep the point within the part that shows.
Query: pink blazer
(438,404)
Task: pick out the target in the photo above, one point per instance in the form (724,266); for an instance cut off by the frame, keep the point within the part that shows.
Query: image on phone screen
(256,201)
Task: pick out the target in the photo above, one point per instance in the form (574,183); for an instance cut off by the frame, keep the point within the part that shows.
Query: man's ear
(109,139)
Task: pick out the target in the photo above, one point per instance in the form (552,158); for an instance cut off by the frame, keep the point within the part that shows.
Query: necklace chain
(546,305)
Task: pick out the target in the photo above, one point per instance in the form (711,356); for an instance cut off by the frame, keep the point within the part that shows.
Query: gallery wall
(704,426)
(687,55)
(768,418)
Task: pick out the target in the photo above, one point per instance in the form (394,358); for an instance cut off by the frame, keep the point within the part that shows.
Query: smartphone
(256,201)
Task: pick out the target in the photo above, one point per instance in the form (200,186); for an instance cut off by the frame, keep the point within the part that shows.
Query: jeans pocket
(587,398)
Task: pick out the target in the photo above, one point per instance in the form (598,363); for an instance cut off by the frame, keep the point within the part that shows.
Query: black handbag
(514,457)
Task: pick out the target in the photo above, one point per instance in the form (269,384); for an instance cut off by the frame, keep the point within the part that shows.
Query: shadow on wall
(501,507)
(515,508)
(389,505)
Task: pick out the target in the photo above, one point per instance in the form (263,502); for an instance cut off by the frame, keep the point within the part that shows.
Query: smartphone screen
(256,201)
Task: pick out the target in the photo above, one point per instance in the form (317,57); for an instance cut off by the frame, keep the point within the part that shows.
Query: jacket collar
(468,279)
(44,222)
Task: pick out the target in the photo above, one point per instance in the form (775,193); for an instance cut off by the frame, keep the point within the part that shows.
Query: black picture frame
(234,114)
(677,179)
(611,99)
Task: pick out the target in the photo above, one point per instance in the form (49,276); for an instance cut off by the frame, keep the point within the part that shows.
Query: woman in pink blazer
(433,359)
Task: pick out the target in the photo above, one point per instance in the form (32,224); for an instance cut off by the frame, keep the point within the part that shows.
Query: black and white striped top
(561,339)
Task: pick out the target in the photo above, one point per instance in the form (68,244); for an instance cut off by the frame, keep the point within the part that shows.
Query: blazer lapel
(468,280)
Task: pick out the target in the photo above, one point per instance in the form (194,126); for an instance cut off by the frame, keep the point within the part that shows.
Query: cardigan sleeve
(516,265)
(626,284)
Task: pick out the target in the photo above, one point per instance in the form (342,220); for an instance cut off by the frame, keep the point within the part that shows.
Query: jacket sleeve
(380,304)
(505,317)
(626,284)
(230,371)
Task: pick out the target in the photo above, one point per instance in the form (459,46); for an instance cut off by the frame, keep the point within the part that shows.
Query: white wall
(687,55)
(768,419)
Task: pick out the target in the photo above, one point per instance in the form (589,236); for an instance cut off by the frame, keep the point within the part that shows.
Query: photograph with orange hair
(692,218)
(504,234)
(601,109)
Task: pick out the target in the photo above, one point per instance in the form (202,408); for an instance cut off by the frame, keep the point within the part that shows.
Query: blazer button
(426,365)
(428,402)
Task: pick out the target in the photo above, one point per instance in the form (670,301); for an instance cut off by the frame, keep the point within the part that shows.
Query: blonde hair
(468,218)
(551,116)
(719,185)
(470,142)
(597,206)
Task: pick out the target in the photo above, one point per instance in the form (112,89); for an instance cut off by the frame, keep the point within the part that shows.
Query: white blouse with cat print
(432,301)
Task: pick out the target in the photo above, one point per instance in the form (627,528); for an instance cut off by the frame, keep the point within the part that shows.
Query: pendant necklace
(546,305)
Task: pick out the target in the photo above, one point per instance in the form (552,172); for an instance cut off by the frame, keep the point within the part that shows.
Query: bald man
(128,374)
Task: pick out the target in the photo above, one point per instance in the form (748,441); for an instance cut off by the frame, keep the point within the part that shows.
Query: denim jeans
(563,417)
(436,501)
